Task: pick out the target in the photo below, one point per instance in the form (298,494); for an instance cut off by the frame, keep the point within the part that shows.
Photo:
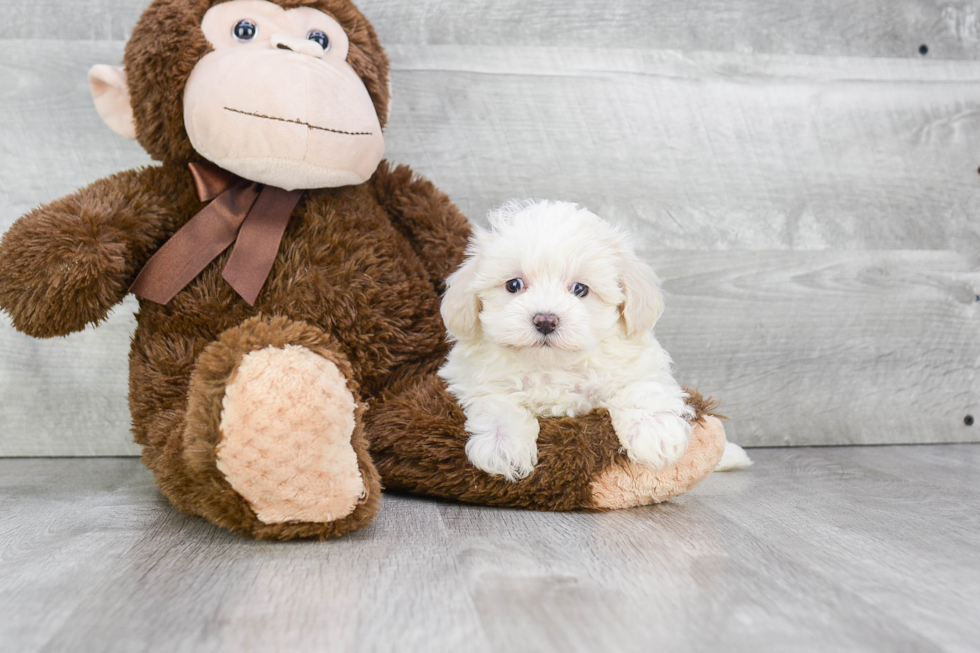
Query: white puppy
(552,314)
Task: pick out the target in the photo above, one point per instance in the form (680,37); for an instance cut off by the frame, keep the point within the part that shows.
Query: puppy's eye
(318,36)
(580,289)
(245,30)
(515,285)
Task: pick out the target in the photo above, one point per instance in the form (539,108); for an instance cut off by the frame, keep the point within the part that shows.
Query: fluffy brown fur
(572,453)
(703,406)
(66,264)
(357,281)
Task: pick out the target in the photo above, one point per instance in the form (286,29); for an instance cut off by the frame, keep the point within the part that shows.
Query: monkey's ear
(111,95)
(460,306)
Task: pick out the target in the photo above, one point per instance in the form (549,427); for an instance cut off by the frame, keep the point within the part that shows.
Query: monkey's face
(281,93)
(276,102)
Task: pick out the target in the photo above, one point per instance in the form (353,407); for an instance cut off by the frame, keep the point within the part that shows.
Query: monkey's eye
(580,289)
(245,30)
(515,285)
(319,37)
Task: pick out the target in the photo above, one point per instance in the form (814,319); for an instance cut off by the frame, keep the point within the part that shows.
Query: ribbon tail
(194,246)
(258,241)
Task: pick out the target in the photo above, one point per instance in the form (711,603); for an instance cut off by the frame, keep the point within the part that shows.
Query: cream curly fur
(602,353)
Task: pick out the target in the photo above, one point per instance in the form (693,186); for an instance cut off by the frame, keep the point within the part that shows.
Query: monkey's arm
(435,227)
(66,264)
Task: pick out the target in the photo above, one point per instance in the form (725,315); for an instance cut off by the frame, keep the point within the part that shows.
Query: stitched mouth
(298,122)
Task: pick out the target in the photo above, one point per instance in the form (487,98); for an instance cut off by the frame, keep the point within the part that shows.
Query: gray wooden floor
(824,549)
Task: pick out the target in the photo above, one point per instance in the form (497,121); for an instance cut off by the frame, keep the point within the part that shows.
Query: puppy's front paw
(505,449)
(653,439)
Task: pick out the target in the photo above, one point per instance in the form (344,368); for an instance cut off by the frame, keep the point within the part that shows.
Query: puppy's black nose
(545,322)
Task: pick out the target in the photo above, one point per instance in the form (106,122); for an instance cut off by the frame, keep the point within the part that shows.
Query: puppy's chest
(558,393)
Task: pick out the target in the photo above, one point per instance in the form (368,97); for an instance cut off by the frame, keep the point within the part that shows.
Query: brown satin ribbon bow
(250,215)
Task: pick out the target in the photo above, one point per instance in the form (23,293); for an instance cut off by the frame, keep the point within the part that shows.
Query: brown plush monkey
(289,330)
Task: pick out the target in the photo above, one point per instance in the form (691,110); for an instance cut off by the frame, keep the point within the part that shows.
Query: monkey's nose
(545,322)
(297,45)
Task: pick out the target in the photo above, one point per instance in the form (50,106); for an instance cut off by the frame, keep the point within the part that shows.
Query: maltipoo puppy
(552,314)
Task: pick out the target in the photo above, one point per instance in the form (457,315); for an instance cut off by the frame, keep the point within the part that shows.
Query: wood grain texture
(806,348)
(704,151)
(843,549)
(745,179)
(876,28)
(801,348)
(67,396)
(693,152)
(51,139)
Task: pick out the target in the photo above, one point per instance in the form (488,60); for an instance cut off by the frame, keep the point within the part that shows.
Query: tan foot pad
(286,429)
(627,484)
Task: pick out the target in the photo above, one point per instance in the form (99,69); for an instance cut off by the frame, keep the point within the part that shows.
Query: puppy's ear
(643,303)
(460,306)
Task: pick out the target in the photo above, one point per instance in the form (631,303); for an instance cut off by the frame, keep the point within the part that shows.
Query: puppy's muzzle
(545,323)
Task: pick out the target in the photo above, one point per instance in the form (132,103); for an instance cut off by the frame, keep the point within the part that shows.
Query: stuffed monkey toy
(288,335)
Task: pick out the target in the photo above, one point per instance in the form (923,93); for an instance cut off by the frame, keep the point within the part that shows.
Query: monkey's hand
(66,264)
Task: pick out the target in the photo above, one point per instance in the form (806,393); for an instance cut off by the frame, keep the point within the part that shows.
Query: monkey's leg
(271,443)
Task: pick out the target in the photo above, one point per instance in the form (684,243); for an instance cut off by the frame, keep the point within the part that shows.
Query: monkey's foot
(625,483)
(287,421)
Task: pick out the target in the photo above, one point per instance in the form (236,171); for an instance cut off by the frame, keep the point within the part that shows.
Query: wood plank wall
(801,175)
